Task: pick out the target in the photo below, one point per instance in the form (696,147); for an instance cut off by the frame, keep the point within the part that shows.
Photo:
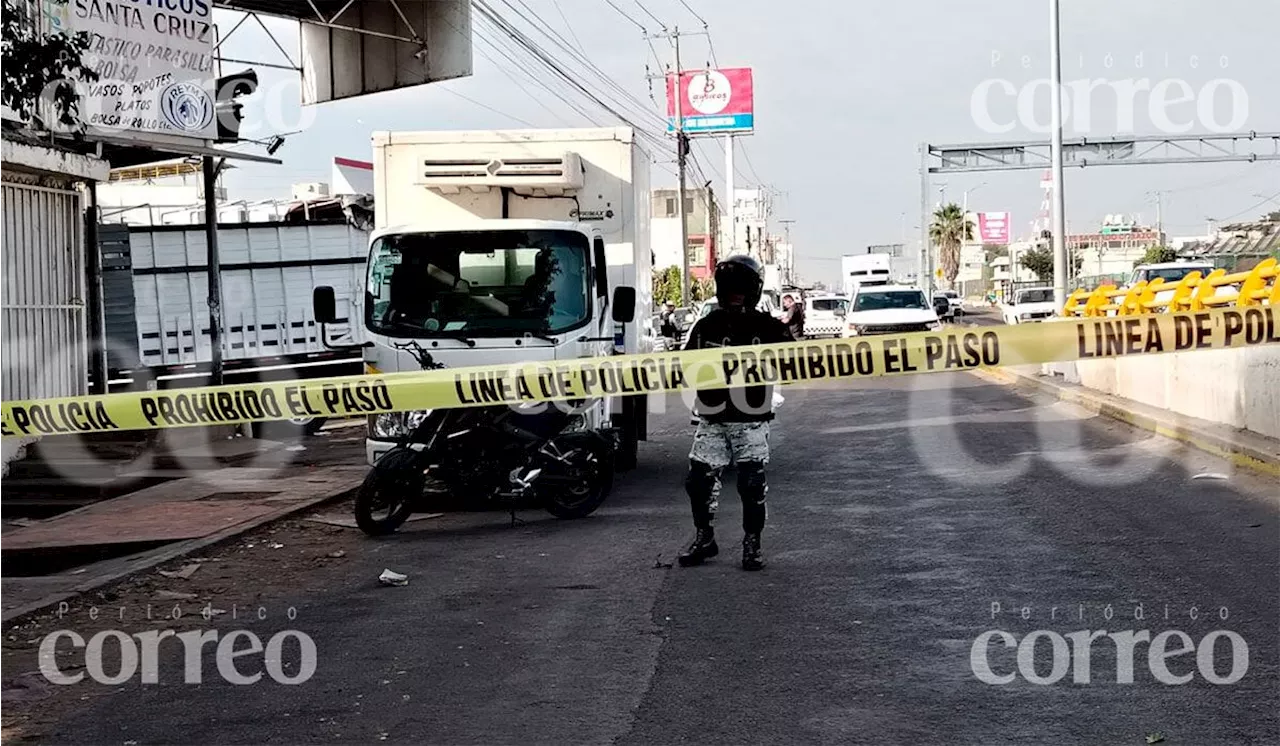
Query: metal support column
(210,173)
(1059,199)
(96,312)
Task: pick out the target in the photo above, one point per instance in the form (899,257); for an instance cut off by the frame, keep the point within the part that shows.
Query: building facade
(702,224)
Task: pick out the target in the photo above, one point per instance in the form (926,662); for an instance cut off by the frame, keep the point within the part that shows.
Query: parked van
(824,315)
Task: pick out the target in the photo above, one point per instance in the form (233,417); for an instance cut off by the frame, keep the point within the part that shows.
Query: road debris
(1210,475)
(183,572)
(390,577)
(346,521)
(337,554)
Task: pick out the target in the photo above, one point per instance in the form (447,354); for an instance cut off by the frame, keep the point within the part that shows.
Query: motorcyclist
(733,424)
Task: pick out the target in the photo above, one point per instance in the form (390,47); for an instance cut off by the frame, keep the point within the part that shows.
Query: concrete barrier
(1239,388)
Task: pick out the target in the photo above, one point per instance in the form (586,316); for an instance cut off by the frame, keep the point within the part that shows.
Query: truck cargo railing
(1255,287)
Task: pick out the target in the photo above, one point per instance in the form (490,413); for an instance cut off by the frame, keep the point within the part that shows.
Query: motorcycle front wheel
(576,489)
(387,496)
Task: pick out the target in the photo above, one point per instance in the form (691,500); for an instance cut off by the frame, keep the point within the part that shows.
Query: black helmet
(739,275)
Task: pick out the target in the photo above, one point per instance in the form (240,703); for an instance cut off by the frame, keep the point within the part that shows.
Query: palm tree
(949,231)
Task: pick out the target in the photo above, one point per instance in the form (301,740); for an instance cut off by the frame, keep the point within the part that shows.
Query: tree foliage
(36,65)
(1157,254)
(700,290)
(949,231)
(1039,261)
(666,287)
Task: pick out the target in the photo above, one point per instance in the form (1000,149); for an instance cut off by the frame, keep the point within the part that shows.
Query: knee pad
(751,478)
(702,478)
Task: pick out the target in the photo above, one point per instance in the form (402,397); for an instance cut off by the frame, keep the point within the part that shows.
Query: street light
(966,195)
(1055,151)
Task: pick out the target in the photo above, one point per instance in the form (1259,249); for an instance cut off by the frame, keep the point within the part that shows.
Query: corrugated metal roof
(1252,239)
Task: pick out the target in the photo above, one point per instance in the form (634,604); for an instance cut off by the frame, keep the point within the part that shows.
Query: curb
(165,554)
(1252,451)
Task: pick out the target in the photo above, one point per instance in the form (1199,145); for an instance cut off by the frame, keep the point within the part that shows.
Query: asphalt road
(901,511)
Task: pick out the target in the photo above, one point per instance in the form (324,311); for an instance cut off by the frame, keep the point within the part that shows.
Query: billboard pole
(730,202)
(682,151)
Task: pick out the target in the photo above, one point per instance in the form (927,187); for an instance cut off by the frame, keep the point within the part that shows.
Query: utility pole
(682,155)
(1160,216)
(1055,155)
(674,80)
(791,249)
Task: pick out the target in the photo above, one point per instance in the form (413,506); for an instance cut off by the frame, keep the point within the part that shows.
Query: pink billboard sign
(713,101)
(993,227)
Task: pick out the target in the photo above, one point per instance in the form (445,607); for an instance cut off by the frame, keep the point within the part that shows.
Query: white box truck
(500,247)
(864,269)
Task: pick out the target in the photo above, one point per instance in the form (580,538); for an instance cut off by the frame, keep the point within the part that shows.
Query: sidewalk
(1241,447)
(48,561)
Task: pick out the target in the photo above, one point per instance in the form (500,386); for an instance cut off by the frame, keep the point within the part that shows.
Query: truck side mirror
(323,305)
(624,304)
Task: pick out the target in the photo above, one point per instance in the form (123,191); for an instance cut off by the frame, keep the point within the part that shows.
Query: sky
(845,93)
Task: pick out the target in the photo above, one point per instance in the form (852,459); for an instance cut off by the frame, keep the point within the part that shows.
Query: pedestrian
(733,424)
(793,316)
(668,327)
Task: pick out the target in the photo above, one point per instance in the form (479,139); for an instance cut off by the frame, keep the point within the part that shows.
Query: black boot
(752,557)
(703,548)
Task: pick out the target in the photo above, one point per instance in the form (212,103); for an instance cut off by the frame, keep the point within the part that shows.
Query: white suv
(889,309)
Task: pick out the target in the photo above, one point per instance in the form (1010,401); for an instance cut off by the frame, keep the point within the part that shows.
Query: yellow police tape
(954,349)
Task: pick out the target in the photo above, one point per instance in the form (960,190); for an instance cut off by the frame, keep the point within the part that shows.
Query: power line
(1248,209)
(567,25)
(551,64)
(628,100)
(509,56)
(694,13)
(490,108)
(623,13)
(746,160)
(649,13)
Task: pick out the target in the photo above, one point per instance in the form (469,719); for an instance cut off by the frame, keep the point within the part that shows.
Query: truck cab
(500,248)
(1029,305)
(1171,272)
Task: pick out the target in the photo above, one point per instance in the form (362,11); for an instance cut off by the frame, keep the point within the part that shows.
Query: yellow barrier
(624,375)
(1259,286)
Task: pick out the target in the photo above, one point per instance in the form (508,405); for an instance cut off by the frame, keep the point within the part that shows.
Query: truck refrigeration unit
(504,247)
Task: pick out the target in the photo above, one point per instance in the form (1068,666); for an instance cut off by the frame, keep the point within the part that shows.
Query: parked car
(824,315)
(944,306)
(957,302)
(1029,305)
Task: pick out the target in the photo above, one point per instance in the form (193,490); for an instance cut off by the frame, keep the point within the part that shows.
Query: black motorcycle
(494,457)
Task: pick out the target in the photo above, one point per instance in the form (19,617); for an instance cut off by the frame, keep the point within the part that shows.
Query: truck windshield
(1039,295)
(1168,274)
(889,299)
(477,283)
(829,304)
